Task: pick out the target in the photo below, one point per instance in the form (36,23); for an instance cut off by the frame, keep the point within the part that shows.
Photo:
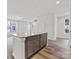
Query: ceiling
(31,8)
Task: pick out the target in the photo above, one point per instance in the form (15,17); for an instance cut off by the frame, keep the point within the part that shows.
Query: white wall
(53,24)
(47,24)
(22,27)
(35,9)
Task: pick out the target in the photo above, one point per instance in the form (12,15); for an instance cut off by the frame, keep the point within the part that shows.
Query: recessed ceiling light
(57,2)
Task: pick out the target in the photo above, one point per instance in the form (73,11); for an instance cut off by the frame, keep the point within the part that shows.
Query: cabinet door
(26,48)
(33,45)
(36,43)
(43,39)
(30,46)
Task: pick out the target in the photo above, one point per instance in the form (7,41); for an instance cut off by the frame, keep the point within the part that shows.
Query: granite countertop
(22,35)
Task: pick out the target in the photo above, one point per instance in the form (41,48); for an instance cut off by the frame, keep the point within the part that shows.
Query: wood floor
(53,51)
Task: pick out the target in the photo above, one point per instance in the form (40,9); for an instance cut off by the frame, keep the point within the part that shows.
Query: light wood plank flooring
(53,51)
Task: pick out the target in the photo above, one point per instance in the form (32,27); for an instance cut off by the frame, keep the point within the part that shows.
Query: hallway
(53,51)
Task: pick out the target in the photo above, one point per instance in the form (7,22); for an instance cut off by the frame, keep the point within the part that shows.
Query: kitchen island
(26,47)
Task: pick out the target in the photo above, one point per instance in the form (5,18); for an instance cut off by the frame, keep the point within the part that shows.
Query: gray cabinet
(34,43)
